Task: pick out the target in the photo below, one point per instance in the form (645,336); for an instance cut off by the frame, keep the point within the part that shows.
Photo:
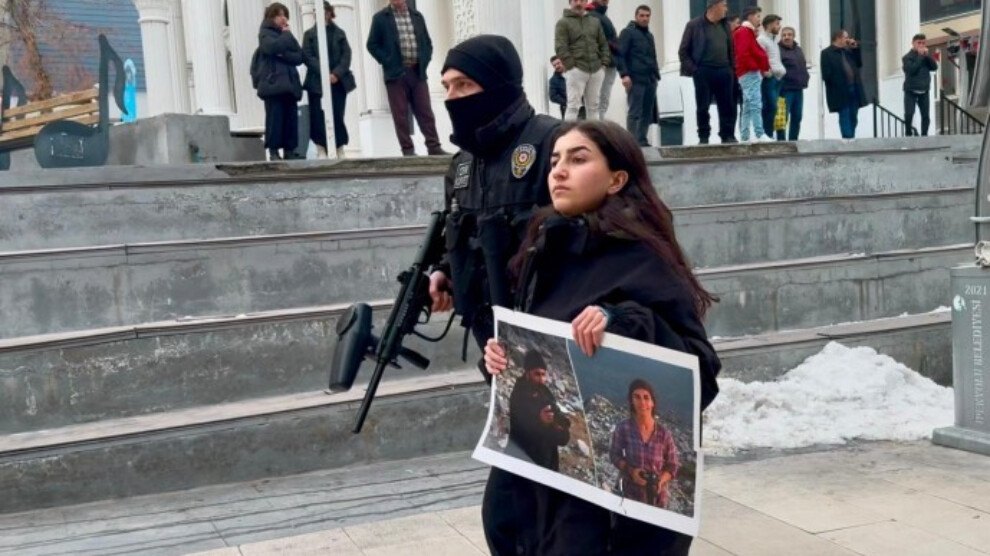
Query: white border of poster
(634,509)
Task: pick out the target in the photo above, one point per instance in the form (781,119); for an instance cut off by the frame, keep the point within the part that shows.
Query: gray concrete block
(180,139)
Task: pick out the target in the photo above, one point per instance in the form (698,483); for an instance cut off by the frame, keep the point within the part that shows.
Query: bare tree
(26,25)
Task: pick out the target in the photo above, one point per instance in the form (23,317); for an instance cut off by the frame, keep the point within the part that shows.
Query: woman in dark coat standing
(278,81)
(605,216)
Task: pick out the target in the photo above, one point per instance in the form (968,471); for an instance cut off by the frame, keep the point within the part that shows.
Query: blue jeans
(795,111)
(752,110)
(771,93)
(849,116)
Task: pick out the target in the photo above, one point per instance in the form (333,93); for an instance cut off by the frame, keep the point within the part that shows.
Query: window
(940,9)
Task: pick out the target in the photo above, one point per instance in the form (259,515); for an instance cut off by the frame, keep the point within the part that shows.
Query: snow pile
(838,395)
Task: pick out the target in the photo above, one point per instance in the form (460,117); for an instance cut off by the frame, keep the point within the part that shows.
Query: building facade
(198,54)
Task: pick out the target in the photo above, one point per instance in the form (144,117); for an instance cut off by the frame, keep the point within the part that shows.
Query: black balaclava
(491,61)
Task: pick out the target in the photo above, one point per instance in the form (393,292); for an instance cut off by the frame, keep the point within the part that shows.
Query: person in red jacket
(752,65)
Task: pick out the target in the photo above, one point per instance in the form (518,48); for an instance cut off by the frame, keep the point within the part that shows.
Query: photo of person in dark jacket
(536,426)
(640,73)
(841,65)
(558,85)
(278,82)
(793,84)
(918,66)
(607,215)
(341,83)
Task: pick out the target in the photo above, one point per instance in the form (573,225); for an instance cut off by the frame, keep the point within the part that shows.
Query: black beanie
(533,360)
(490,60)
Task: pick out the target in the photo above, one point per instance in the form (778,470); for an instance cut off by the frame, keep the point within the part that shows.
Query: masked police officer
(493,186)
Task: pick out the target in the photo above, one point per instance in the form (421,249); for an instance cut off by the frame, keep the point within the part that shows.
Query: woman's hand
(495,361)
(588,328)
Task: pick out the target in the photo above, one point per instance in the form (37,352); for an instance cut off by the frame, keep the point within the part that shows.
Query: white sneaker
(765,139)
(340,153)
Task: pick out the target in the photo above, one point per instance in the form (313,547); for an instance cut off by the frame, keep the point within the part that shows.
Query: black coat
(383,43)
(797,77)
(573,267)
(918,71)
(275,64)
(338,57)
(558,89)
(837,82)
(610,33)
(693,42)
(494,188)
(528,436)
(638,51)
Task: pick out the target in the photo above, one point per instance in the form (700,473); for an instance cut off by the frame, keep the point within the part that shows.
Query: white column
(244,18)
(438,25)
(347,20)
(177,47)
(818,36)
(154,18)
(466,16)
(789,12)
(377,133)
(307,10)
(535,50)
(674,15)
(210,59)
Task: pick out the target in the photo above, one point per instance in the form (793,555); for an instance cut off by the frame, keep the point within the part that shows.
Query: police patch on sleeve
(522,160)
(462,177)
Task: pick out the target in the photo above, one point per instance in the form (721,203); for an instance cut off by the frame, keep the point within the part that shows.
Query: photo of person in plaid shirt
(643,450)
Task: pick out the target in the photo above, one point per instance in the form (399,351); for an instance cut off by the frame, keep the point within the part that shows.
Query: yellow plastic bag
(780,120)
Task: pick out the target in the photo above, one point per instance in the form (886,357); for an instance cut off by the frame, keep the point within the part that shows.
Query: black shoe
(730,141)
(408,153)
(702,140)
(438,152)
(273,154)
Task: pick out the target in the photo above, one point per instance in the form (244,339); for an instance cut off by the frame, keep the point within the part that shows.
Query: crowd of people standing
(750,66)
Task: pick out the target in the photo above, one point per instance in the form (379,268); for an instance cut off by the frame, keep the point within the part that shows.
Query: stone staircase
(171,327)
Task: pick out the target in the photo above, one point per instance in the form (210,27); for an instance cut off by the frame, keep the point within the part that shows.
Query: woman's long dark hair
(274,10)
(636,211)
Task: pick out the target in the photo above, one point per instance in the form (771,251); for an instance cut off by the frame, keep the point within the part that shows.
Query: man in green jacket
(581,45)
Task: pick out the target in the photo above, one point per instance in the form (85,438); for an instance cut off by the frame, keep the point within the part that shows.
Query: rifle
(355,340)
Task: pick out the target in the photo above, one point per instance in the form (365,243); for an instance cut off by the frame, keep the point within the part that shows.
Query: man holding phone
(918,67)
(840,64)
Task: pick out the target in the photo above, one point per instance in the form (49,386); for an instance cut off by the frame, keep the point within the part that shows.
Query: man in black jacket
(612,69)
(558,85)
(640,73)
(341,82)
(492,188)
(399,41)
(536,426)
(793,84)
(706,55)
(918,68)
(840,65)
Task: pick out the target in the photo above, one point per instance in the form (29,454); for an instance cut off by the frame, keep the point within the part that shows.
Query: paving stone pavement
(872,499)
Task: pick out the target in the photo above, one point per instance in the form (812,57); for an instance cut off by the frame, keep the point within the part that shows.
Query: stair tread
(260,407)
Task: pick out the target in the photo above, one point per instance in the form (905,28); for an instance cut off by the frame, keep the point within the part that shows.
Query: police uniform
(492,188)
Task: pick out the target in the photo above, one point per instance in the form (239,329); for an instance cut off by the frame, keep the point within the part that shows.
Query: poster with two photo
(619,429)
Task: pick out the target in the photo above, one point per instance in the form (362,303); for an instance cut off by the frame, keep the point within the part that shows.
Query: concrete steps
(295,433)
(77,289)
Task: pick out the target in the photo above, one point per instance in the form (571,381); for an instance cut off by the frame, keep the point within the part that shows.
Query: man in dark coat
(558,85)
(492,188)
(840,65)
(707,56)
(918,66)
(536,426)
(793,84)
(640,73)
(341,82)
(598,9)
(399,41)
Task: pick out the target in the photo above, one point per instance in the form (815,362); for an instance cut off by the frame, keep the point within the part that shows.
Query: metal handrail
(888,124)
(956,120)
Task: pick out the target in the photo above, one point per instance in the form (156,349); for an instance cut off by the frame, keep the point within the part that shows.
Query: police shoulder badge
(522,160)
(462,176)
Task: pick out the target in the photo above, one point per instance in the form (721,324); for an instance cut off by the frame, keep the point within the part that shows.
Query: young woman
(604,258)
(278,81)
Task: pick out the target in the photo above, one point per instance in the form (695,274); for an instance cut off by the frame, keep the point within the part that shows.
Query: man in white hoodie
(771,84)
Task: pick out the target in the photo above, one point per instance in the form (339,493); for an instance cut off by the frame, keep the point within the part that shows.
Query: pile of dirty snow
(841,394)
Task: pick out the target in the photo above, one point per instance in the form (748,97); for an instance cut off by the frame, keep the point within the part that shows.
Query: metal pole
(980,99)
(327,99)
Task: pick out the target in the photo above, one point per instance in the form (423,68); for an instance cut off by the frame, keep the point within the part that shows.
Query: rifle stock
(357,342)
